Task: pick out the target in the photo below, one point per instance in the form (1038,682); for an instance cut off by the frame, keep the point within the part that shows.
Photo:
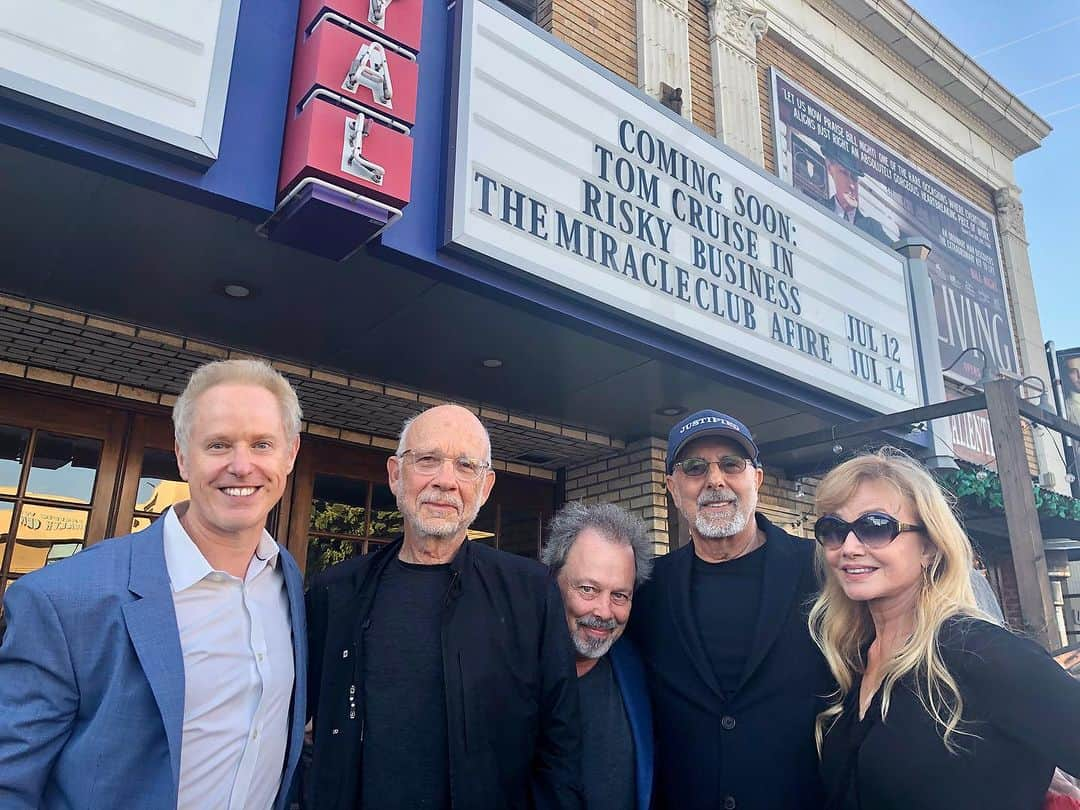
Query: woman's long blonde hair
(842,627)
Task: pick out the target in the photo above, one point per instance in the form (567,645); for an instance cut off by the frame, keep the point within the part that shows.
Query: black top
(1024,708)
(753,749)
(512,714)
(405,756)
(725,598)
(607,761)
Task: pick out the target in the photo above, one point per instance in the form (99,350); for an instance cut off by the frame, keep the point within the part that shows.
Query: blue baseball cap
(709,423)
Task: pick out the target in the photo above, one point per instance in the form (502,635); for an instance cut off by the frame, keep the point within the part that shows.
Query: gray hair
(608,519)
(403,437)
(235,372)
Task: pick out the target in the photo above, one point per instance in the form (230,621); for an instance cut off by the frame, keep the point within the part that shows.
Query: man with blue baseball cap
(736,680)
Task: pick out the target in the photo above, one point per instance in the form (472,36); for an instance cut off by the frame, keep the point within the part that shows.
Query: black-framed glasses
(427,462)
(874,529)
(697,467)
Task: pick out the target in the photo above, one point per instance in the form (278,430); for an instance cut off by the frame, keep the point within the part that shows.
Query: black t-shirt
(607,760)
(725,598)
(1023,708)
(406,761)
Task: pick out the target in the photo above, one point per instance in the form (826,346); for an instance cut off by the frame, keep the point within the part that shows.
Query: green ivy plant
(982,488)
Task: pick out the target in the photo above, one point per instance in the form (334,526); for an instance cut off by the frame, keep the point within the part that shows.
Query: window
(46,493)
(160,486)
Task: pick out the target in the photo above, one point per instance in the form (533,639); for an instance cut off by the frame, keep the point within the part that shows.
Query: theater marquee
(563,172)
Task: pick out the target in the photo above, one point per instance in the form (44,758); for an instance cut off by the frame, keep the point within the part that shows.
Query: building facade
(581,228)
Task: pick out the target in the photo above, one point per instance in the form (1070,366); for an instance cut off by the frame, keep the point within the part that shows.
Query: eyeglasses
(591,592)
(426,463)
(697,467)
(874,530)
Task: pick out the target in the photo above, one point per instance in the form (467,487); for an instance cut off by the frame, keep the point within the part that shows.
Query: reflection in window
(64,467)
(339,505)
(6,512)
(160,484)
(46,534)
(13,442)
(386,523)
(323,552)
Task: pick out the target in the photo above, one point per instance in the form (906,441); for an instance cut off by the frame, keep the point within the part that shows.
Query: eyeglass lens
(873,530)
(730,465)
(465,469)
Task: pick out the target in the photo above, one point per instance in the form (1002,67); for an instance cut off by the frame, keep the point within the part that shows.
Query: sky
(1033,49)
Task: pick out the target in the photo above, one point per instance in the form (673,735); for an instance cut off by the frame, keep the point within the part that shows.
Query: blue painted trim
(243,180)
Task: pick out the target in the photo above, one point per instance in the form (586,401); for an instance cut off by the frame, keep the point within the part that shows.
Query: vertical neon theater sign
(346,163)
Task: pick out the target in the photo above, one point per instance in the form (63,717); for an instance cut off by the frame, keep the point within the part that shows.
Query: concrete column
(1028,328)
(663,46)
(915,251)
(735,28)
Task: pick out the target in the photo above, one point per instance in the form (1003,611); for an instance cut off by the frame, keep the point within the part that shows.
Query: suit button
(729,803)
(727,722)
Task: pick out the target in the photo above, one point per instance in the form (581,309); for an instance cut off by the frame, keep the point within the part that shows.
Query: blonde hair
(842,627)
(235,372)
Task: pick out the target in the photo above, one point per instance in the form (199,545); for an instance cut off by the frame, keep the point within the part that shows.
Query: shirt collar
(187,565)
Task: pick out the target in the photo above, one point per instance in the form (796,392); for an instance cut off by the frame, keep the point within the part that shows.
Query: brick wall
(701,85)
(606,32)
(633,479)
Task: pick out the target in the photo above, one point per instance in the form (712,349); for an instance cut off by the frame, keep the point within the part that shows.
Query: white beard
(719,528)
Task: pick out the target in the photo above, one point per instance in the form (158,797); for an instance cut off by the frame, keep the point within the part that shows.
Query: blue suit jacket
(92,681)
(630,675)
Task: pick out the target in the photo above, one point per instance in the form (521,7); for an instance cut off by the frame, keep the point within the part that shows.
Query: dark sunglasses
(874,529)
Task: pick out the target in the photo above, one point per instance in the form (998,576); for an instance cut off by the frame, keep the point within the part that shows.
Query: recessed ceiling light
(673,410)
(235,290)
(491,362)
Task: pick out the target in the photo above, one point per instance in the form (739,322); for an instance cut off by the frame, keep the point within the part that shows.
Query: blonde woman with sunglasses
(937,706)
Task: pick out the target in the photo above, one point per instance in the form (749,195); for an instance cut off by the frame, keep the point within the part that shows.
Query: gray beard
(438,529)
(718,529)
(593,647)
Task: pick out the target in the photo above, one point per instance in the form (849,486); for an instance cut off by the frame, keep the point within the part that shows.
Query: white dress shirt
(236,638)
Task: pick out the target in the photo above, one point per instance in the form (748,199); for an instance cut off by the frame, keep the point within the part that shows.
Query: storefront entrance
(75,471)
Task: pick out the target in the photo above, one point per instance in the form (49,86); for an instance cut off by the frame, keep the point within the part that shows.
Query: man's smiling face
(237,459)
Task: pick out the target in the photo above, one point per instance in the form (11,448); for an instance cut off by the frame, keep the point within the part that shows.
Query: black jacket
(1021,706)
(511,686)
(754,751)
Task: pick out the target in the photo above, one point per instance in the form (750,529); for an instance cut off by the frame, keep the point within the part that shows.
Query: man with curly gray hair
(599,554)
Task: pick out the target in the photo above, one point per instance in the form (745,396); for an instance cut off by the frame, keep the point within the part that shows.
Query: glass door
(58,466)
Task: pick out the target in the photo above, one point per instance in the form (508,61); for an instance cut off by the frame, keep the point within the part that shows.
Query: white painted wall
(157,68)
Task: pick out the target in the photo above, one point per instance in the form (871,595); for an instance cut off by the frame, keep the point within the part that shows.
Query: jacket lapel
(151,625)
(683,621)
(294,587)
(783,569)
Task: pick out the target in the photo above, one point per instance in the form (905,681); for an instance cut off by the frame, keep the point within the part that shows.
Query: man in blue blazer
(165,669)
(599,554)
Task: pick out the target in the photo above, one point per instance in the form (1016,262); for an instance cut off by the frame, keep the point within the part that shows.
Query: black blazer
(511,687)
(754,751)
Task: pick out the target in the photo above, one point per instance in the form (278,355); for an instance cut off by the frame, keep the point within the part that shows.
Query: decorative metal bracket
(377,13)
(352,151)
(371,70)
